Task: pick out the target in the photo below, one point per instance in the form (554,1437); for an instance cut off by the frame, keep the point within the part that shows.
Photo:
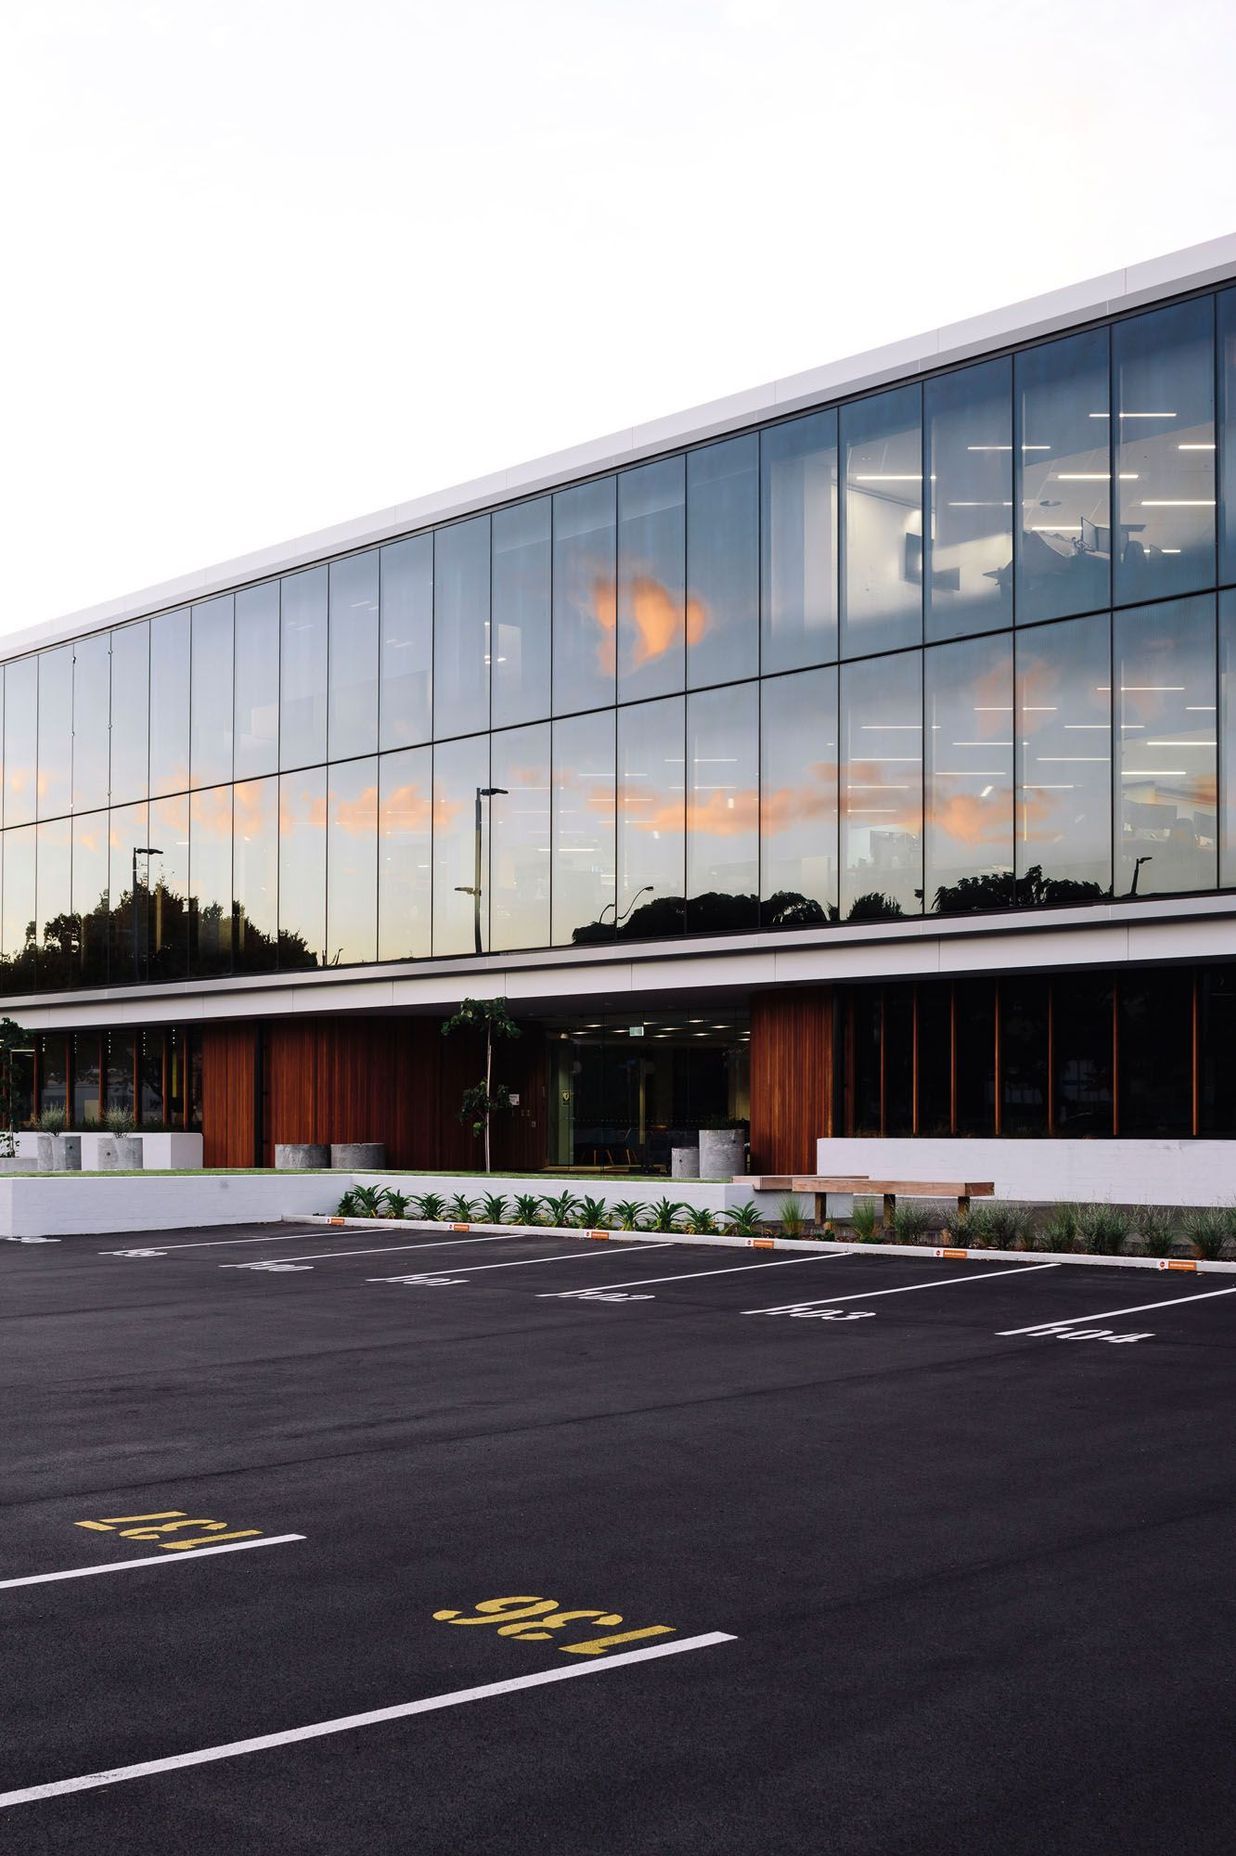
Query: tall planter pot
(722,1152)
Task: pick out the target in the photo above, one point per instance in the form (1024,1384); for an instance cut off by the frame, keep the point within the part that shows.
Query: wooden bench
(963,1190)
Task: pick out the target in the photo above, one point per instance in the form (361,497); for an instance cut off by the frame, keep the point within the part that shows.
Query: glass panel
(1063,432)
(651,818)
(461,628)
(798,800)
(1023,1056)
(302,673)
(21,715)
(583,829)
(1082,1054)
(1216,1041)
(352,863)
(130,712)
(405,816)
(152,1046)
(1064,746)
(406,610)
(211,703)
(798,542)
(255,874)
(1163,663)
(169,887)
(54,1070)
(935,1058)
(210,881)
(53,910)
(55,783)
(723,589)
(1227,724)
(519,851)
(460,898)
(119,1052)
(585,613)
(521,569)
(1227,432)
(882,789)
(302,868)
(169,703)
(723,808)
(864,1039)
(257,680)
(353,696)
(92,671)
(967,423)
(899,1060)
(87,1079)
(89,898)
(968,786)
(975,1036)
(131,917)
(1155,1045)
(1165,468)
(651,579)
(882,549)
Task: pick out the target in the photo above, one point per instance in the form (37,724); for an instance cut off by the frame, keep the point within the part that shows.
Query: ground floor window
(152,1075)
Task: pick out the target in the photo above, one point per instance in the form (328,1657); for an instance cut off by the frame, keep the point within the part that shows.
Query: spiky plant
(527,1209)
(493,1208)
(664,1215)
(347,1206)
(430,1207)
(1156,1230)
(594,1214)
(396,1203)
(369,1201)
(913,1224)
(460,1210)
(1206,1230)
(562,1208)
(1060,1230)
(743,1220)
(1103,1229)
(700,1221)
(865,1221)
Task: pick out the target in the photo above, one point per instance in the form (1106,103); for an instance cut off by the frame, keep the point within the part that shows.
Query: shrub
(594,1214)
(913,1224)
(865,1221)
(460,1210)
(396,1203)
(1060,1231)
(118,1121)
(52,1121)
(1009,1226)
(700,1220)
(629,1213)
(431,1207)
(664,1214)
(527,1209)
(791,1217)
(1207,1232)
(1156,1229)
(493,1208)
(368,1201)
(347,1206)
(1102,1229)
(743,1220)
(562,1209)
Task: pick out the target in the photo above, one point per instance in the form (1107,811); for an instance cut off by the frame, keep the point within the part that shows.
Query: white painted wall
(1142,1172)
(159,1151)
(66,1204)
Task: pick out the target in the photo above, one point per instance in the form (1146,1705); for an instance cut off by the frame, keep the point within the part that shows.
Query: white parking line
(734,1269)
(262,1743)
(208,1243)
(381,1250)
(558,1256)
(161,1559)
(865,1295)
(1141,1308)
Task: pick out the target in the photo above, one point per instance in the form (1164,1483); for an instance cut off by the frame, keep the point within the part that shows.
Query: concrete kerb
(1183,1265)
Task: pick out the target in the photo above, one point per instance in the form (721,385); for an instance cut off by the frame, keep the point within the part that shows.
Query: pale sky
(270,264)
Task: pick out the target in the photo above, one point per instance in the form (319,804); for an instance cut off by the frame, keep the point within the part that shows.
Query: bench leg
(890,1209)
(963,1211)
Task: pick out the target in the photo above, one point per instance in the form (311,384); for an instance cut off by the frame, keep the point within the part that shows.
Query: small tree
(480,1101)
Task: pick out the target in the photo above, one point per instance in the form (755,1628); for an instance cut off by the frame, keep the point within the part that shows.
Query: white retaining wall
(1142,1172)
(66,1204)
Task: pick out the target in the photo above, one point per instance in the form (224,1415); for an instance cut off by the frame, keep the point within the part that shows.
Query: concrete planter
(721,1152)
(300,1156)
(357,1156)
(684,1162)
(129,1153)
(60,1153)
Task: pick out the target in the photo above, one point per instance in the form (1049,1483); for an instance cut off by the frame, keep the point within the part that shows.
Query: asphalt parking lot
(628,1549)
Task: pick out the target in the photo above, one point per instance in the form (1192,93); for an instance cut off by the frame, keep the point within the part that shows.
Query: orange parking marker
(599,1237)
(952,1253)
(461,1227)
(1177,1263)
(763,1243)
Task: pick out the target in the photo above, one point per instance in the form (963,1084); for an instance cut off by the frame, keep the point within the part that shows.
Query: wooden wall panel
(399,1081)
(791,1077)
(229,1083)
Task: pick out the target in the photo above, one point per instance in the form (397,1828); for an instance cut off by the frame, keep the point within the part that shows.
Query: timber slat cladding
(394,1080)
(791,1077)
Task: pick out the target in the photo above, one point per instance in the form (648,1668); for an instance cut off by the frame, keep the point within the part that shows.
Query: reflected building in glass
(853,760)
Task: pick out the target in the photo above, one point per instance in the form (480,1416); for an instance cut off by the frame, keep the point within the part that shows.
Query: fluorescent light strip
(1177,502)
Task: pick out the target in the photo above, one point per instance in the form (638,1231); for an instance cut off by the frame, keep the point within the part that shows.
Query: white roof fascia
(1193,268)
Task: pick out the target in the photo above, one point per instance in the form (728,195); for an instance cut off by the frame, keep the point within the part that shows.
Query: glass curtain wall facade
(965,643)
